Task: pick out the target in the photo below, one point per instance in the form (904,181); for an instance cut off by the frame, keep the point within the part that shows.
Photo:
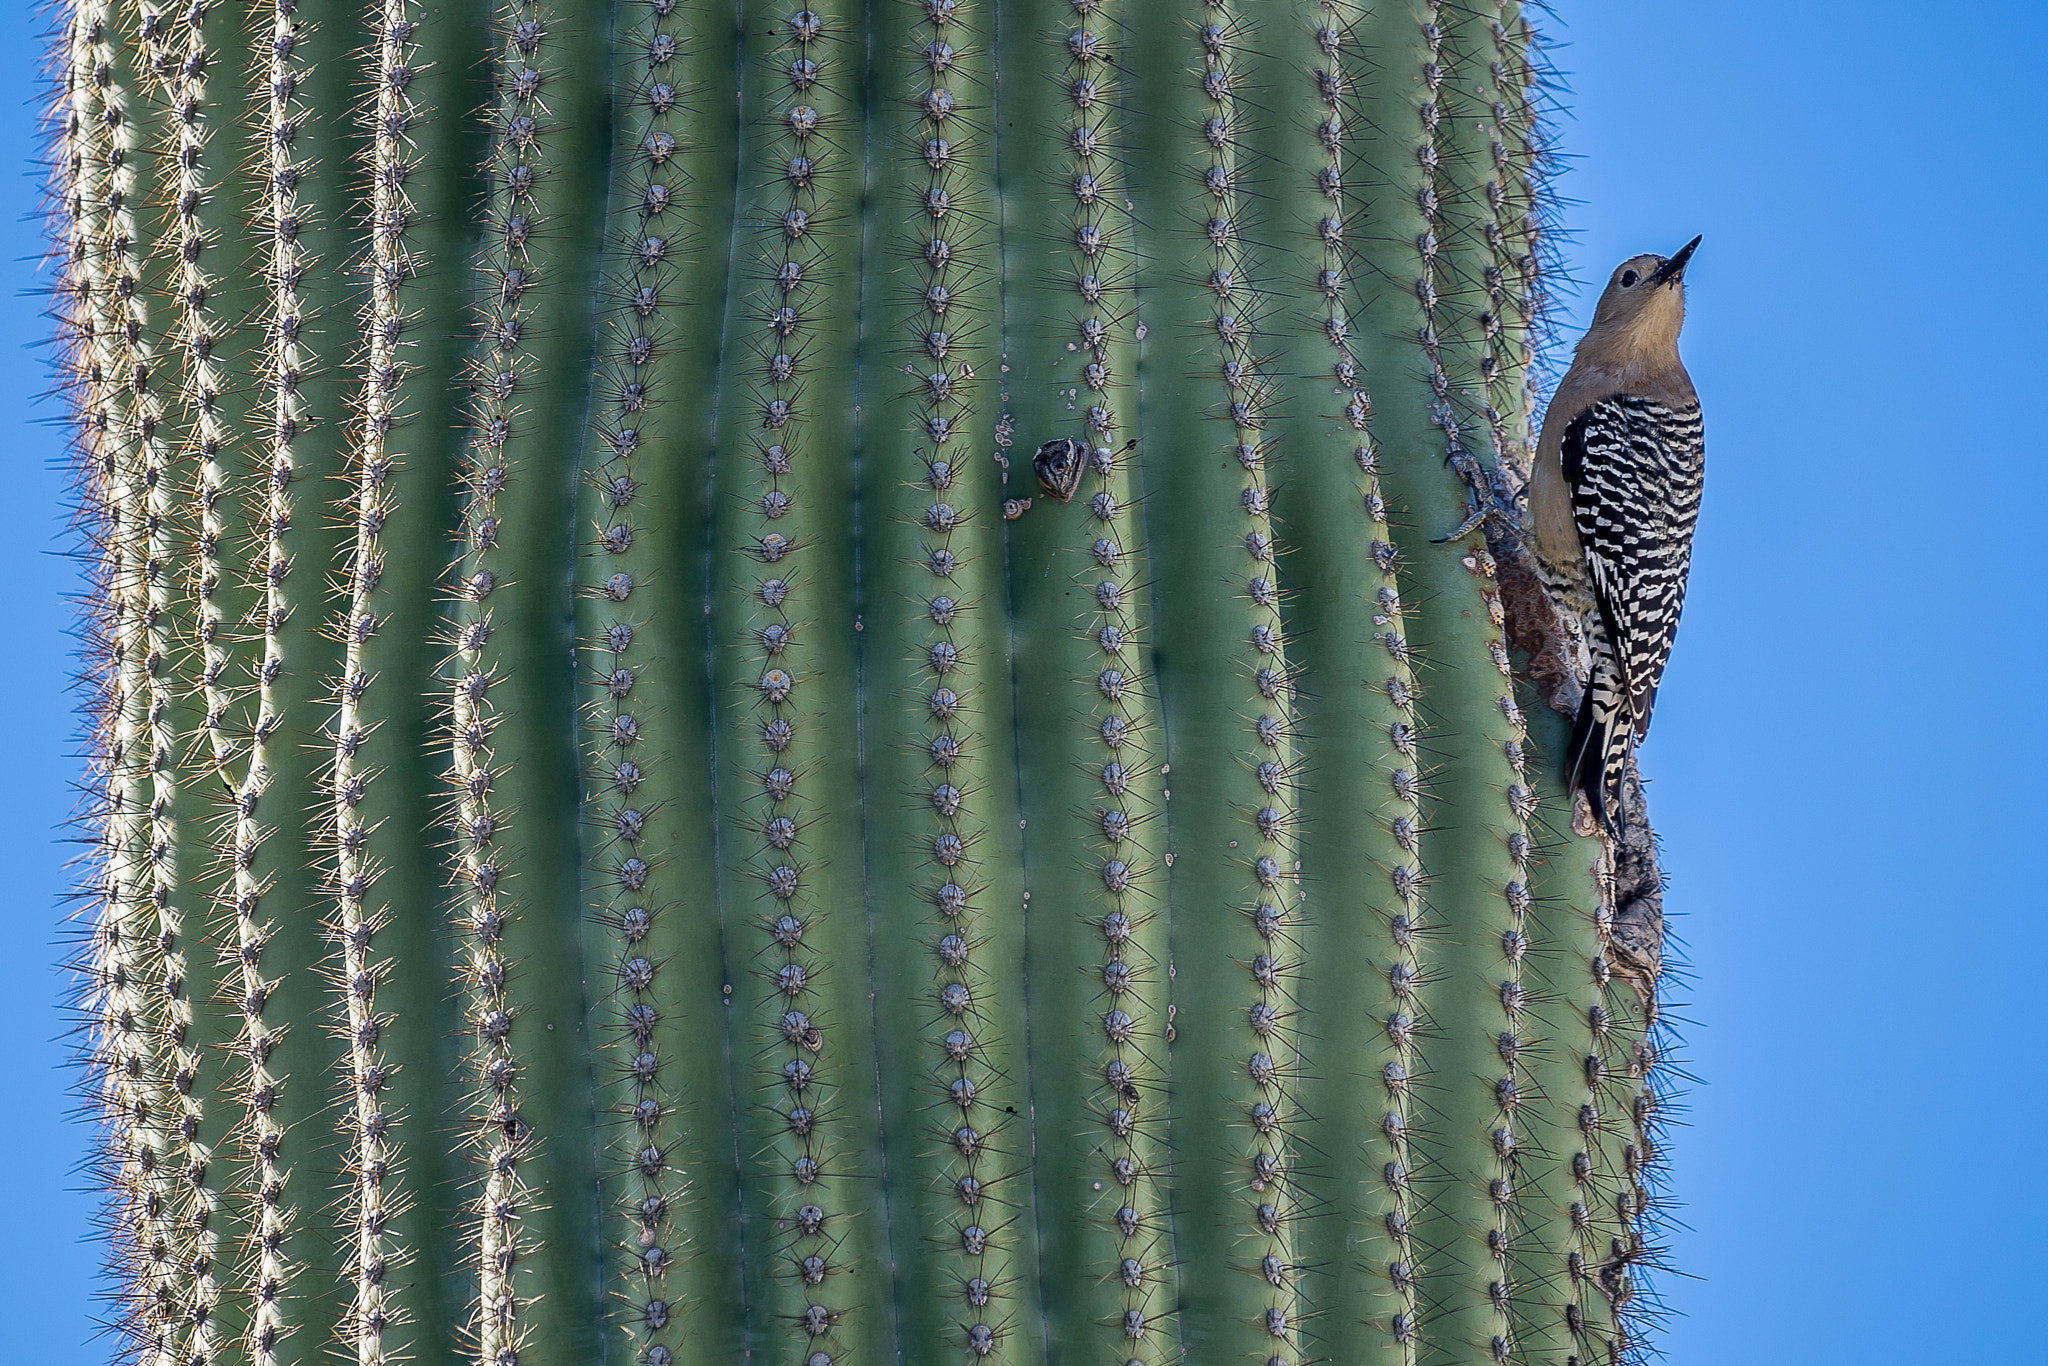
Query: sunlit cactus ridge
(774,684)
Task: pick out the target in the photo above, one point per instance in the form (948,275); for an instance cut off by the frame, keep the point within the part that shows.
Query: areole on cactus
(639,827)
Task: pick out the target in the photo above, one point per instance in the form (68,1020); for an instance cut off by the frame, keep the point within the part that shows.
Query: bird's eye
(1628,277)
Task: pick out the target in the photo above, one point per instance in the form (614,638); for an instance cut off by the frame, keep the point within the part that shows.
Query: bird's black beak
(1673,270)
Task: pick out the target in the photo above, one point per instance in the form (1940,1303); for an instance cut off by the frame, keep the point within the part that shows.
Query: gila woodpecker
(1613,499)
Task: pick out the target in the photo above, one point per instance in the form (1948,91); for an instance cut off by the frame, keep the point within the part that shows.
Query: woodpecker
(1612,502)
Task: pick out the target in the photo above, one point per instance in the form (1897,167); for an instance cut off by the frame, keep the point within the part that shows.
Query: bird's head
(1643,305)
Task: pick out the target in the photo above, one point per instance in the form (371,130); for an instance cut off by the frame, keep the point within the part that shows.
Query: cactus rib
(815,1222)
(1227,689)
(941,832)
(145,529)
(514,801)
(650,849)
(1089,773)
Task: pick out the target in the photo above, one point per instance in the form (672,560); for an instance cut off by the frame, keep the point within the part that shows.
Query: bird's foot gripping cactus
(634,829)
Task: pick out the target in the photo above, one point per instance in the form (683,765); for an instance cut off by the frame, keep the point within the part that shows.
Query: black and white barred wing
(1634,468)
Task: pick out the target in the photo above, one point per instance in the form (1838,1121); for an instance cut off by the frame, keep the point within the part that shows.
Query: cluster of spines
(127,962)
(269,1262)
(1467,345)
(1480,295)
(1405,1113)
(1430,198)
(617,563)
(216,432)
(1360,1260)
(1590,1285)
(1650,1078)
(152,588)
(802,61)
(1612,1086)
(160,591)
(1134,1030)
(105,1012)
(1538,1153)
(1526,87)
(1133,1036)
(486,901)
(1621,1118)
(1407,968)
(204,432)
(968,1166)
(375,1247)
(1594,1156)
(1269,854)
(106,1016)
(1337,277)
(1513,229)
(215,438)
(159,587)
(1519,1232)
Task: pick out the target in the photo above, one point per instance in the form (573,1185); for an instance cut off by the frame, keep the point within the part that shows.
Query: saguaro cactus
(638,823)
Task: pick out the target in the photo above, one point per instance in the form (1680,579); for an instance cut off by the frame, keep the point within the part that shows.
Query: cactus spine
(634,828)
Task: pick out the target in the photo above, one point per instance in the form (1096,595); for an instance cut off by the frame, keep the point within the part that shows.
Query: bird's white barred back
(1635,469)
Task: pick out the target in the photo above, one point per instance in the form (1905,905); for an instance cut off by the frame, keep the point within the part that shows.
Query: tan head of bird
(1640,311)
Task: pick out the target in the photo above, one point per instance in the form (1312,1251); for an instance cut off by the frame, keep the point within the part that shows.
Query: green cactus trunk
(638,828)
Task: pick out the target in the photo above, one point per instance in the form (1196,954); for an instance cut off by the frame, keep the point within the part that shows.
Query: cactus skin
(633,829)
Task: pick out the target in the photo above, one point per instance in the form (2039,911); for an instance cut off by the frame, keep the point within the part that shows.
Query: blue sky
(1848,764)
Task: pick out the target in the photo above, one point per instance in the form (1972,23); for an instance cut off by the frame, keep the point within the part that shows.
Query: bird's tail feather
(1597,756)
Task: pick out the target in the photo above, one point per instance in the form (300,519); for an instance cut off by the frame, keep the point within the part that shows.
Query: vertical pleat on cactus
(644,813)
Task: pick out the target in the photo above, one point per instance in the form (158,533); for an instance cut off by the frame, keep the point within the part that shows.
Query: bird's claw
(1486,501)
(1472,521)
